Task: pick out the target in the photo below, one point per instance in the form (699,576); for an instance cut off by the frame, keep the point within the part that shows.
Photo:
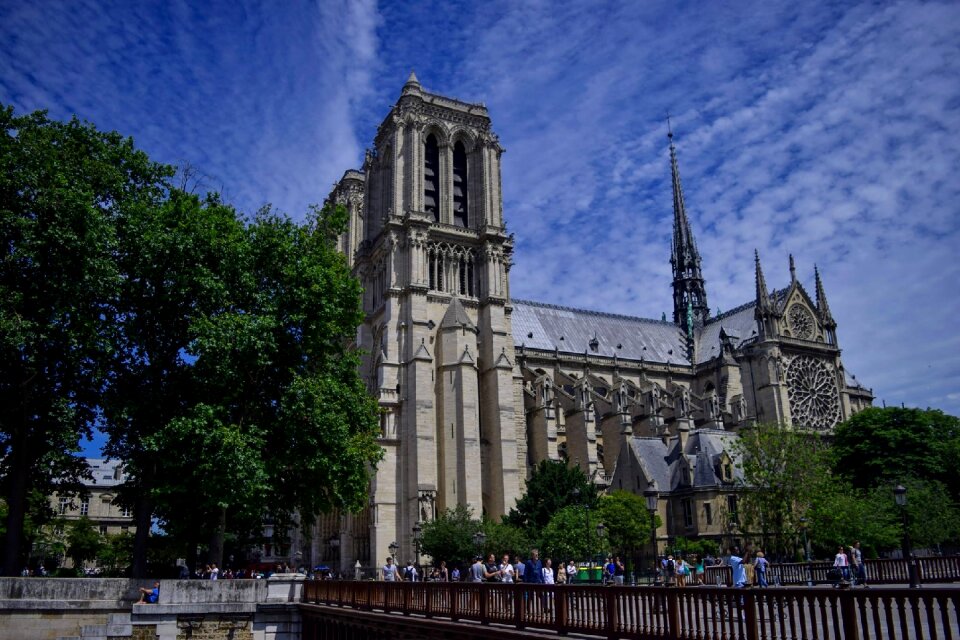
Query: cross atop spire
(689,291)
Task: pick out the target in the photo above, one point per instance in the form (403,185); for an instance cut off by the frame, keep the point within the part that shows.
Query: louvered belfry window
(431,177)
(459,185)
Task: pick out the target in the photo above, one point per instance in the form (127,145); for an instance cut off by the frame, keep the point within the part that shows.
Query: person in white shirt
(840,562)
(390,571)
(571,572)
(548,572)
(506,570)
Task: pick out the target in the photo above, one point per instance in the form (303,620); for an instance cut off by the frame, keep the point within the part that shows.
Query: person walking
(533,569)
(618,571)
(840,562)
(859,568)
(701,569)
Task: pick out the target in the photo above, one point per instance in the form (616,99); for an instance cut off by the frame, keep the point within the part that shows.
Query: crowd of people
(506,570)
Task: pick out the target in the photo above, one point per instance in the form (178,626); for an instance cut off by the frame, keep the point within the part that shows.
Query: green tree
(62,188)
(841,514)
(115,554)
(553,485)
(783,469)
(887,445)
(626,522)
(503,537)
(83,541)
(566,536)
(449,536)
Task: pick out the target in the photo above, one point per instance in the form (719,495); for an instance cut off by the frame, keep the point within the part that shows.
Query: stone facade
(98,502)
(477,387)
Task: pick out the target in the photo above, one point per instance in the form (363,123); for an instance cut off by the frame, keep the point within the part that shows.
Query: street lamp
(417,540)
(806,552)
(900,495)
(586,509)
(394,547)
(479,539)
(600,533)
(653,497)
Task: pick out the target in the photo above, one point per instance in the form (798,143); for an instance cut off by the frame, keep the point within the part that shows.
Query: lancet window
(452,269)
(431,177)
(460,213)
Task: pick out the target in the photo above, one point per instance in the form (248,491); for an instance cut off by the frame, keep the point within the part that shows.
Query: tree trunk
(144,519)
(16,507)
(216,540)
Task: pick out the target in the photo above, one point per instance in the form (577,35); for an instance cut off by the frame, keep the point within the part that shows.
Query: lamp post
(653,497)
(601,531)
(806,552)
(900,495)
(586,510)
(417,540)
(394,547)
(479,539)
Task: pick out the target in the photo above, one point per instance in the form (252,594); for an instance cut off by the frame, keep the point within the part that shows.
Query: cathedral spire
(689,291)
(822,307)
(793,270)
(763,294)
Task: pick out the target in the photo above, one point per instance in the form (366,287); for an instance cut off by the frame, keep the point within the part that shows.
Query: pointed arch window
(460,213)
(431,177)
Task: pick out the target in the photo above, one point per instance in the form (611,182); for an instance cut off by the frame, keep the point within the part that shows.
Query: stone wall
(53,608)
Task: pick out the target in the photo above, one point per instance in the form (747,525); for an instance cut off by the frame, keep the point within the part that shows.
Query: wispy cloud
(828,130)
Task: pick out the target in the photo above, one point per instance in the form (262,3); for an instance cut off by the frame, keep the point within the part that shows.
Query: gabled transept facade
(476,387)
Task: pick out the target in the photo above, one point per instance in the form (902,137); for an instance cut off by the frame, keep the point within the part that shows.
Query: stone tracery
(812,391)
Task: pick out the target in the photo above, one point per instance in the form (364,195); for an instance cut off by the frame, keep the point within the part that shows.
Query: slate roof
(739,324)
(104,472)
(704,446)
(541,326)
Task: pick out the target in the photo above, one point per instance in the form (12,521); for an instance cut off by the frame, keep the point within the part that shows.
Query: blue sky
(830,130)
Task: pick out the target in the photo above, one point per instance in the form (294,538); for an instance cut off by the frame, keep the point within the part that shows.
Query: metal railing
(704,613)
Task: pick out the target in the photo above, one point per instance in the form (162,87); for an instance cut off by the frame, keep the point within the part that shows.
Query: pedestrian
(533,569)
(736,562)
(410,573)
(840,562)
(548,572)
(518,567)
(214,571)
(455,575)
(760,567)
(561,574)
(390,571)
(701,569)
(608,570)
(571,572)
(670,570)
(491,570)
(618,571)
(444,572)
(476,570)
(859,568)
(507,572)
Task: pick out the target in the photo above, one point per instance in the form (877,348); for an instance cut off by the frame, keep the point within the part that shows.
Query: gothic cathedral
(476,387)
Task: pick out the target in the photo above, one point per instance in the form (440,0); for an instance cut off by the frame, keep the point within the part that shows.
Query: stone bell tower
(427,239)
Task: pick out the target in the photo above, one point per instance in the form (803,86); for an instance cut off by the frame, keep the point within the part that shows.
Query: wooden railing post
(562,605)
(848,615)
(673,613)
(454,601)
(407,588)
(518,591)
(610,603)
(749,607)
(482,592)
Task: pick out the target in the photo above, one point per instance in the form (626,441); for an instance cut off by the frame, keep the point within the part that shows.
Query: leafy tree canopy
(626,522)
(83,541)
(63,187)
(553,485)
(887,445)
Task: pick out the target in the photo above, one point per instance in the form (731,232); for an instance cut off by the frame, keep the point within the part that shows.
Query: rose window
(813,395)
(801,322)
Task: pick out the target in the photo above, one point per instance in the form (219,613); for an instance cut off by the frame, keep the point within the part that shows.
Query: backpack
(408,574)
(670,566)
